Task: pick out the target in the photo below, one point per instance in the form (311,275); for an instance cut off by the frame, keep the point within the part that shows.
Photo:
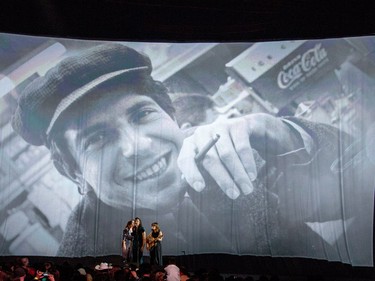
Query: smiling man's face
(126,148)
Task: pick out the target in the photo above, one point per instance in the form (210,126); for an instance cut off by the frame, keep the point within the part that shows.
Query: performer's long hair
(140,221)
(157,228)
(128,225)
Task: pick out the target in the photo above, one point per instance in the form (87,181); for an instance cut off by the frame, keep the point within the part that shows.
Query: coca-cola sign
(301,66)
(291,69)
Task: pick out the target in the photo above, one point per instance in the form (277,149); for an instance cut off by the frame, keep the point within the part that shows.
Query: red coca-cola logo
(300,65)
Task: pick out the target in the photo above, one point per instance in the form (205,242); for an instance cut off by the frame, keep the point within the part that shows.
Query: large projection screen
(95,133)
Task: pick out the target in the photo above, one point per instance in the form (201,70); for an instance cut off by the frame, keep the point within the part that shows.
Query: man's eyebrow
(102,125)
(137,106)
(89,130)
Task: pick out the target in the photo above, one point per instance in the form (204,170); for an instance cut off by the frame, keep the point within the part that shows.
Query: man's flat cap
(47,97)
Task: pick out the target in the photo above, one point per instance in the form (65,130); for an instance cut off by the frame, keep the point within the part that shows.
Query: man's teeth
(153,170)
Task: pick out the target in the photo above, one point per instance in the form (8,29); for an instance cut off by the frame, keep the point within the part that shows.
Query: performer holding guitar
(153,244)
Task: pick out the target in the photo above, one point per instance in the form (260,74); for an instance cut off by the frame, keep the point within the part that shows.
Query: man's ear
(72,175)
(186,125)
(82,185)
(60,167)
(66,170)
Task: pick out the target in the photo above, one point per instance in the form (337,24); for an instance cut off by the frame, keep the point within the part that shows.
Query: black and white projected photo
(262,148)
